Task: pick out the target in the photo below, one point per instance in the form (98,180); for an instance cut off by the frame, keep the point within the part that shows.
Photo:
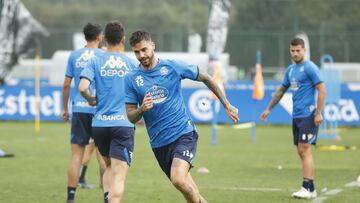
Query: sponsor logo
(158,94)
(114,66)
(294,84)
(302,69)
(345,111)
(200,105)
(309,136)
(110,117)
(84,58)
(22,104)
(164,71)
(83,104)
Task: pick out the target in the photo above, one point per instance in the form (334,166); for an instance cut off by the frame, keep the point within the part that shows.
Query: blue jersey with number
(108,70)
(77,61)
(302,79)
(168,119)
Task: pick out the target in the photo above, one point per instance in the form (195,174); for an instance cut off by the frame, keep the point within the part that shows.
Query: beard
(298,59)
(147,61)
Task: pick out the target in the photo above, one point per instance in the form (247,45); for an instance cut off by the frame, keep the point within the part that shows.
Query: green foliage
(267,25)
(37,173)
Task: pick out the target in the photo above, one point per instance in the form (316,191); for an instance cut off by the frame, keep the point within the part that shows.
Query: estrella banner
(19,103)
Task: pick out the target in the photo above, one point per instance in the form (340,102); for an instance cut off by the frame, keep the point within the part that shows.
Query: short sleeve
(185,70)
(89,70)
(130,96)
(314,74)
(286,82)
(69,68)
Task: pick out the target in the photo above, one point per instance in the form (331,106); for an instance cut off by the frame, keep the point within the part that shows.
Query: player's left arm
(231,111)
(320,102)
(314,74)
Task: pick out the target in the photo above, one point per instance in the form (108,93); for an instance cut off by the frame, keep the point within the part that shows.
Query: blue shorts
(81,128)
(183,148)
(115,142)
(305,130)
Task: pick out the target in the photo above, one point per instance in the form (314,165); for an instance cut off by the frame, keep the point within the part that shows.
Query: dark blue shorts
(81,128)
(115,142)
(183,148)
(305,130)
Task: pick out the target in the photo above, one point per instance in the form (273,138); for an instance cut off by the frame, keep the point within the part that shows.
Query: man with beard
(302,77)
(153,91)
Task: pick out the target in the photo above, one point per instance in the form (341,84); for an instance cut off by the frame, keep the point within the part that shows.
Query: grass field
(240,171)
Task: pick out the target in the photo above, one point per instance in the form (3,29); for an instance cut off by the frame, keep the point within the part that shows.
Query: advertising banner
(19,103)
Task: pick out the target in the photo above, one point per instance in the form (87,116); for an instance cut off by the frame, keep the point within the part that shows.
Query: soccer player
(154,92)
(303,79)
(112,131)
(82,113)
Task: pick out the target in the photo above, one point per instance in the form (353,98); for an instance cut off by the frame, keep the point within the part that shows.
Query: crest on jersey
(158,93)
(294,84)
(164,71)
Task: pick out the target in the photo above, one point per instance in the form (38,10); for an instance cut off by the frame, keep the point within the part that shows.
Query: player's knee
(117,192)
(178,182)
(304,150)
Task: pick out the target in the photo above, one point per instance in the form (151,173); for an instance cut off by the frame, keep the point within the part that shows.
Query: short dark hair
(92,31)
(114,32)
(298,41)
(138,36)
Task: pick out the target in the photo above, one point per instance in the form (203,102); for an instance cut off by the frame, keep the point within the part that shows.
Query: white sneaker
(304,194)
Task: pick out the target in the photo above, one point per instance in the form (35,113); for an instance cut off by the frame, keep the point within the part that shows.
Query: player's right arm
(276,98)
(65,98)
(69,74)
(134,113)
(84,91)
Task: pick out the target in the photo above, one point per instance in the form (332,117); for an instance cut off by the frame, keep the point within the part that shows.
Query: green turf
(38,172)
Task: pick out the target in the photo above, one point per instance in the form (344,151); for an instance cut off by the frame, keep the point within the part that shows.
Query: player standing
(82,112)
(303,79)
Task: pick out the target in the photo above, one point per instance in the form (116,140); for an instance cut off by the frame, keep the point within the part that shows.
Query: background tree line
(333,26)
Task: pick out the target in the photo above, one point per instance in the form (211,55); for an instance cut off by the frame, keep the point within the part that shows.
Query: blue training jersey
(77,61)
(302,79)
(108,70)
(168,119)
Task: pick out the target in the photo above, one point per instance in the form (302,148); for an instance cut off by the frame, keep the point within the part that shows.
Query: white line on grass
(351,184)
(332,192)
(254,189)
(243,125)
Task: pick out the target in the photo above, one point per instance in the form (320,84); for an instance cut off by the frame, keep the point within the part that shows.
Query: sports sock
(312,186)
(106,198)
(308,184)
(71,193)
(82,173)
